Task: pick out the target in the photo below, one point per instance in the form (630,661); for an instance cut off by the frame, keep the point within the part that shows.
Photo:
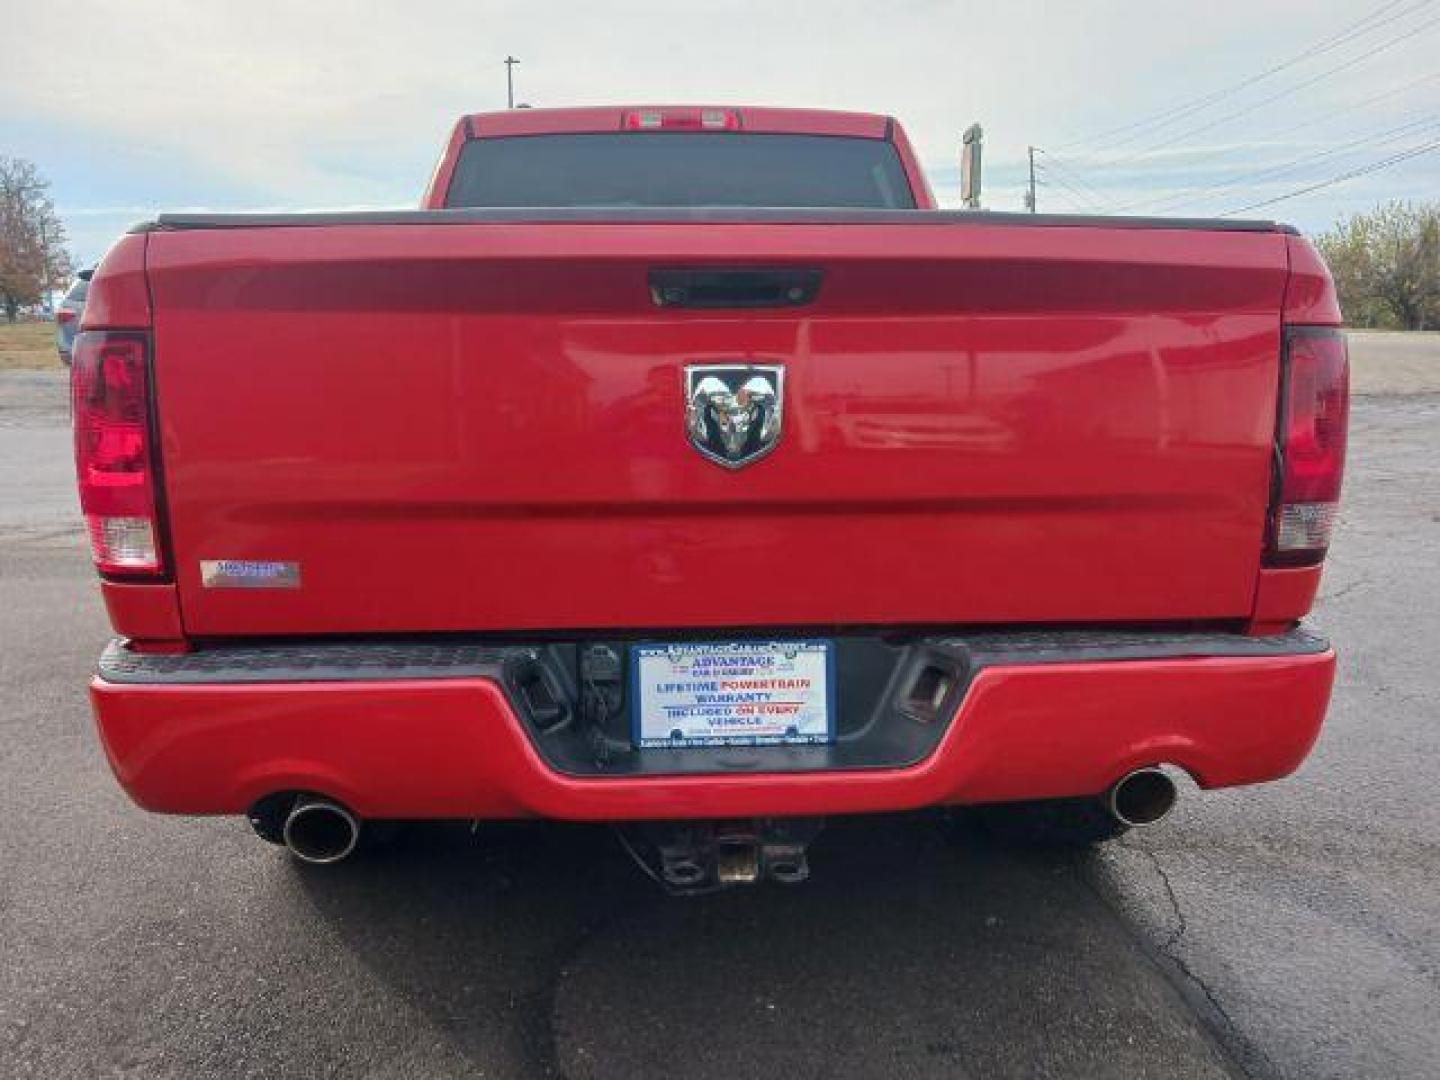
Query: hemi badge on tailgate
(248,574)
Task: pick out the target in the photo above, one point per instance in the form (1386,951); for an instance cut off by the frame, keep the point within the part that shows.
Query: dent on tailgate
(482,426)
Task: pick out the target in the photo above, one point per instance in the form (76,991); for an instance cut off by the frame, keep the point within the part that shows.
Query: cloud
(265,103)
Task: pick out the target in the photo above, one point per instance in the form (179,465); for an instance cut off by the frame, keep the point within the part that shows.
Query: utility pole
(1030,195)
(48,285)
(510,63)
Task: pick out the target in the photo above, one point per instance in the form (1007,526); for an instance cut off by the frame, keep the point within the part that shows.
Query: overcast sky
(145,105)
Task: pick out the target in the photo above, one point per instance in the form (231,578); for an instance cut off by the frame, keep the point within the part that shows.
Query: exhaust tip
(320,832)
(1143,797)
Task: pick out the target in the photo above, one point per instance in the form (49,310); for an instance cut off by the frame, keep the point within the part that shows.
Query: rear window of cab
(680,169)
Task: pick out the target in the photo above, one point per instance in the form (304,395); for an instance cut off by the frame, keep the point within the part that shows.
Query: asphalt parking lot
(1289,930)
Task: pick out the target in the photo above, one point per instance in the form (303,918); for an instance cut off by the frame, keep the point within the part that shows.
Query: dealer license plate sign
(732,693)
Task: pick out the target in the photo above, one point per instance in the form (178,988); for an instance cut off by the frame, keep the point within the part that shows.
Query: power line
(1394,159)
(1074,194)
(1210,126)
(1058,164)
(1290,130)
(1331,44)
(1068,194)
(1377,139)
(1408,35)
(1078,198)
(1060,193)
(1355,30)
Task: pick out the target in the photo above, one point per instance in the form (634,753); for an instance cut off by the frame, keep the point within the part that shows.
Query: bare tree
(33,258)
(1387,266)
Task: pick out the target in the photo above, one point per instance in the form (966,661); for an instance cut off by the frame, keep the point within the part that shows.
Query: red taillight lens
(682,120)
(1314,418)
(114,459)
(64,316)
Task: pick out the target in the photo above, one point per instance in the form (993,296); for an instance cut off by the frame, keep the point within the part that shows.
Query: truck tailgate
(481,426)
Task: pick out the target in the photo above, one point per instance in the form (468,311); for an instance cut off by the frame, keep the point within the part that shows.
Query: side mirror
(970,152)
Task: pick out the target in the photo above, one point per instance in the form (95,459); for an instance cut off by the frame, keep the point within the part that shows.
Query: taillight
(1314,416)
(64,316)
(682,120)
(114,458)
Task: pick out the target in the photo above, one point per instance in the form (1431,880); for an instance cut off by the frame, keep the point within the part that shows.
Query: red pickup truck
(689,467)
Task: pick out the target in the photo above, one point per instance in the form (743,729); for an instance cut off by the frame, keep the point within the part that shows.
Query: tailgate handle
(739,287)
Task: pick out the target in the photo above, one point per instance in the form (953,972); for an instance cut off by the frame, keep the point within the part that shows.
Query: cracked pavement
(1281,931)
(1307,911)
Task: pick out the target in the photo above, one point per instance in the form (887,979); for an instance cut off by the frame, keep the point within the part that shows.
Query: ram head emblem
(733,411)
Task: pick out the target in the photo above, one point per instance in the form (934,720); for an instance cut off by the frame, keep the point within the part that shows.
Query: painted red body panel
(454,749)
(919,183)
(143,611)
(481,426)
(770,121)
(434,196)
(1283,595)
(1310,296)
(519,122)
(119,297)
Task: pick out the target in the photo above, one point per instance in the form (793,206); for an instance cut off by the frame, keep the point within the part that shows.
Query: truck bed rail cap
(692,215)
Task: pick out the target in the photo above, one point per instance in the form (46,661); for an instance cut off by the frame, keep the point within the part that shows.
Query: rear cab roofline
(767,121)
(512,123)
